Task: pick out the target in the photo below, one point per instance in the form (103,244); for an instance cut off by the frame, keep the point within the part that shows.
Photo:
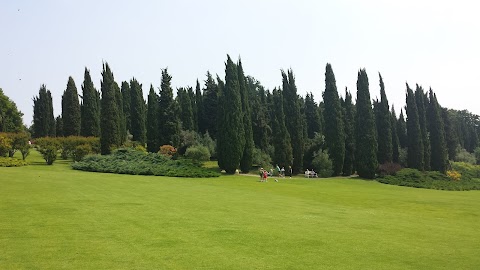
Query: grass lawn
(53,217)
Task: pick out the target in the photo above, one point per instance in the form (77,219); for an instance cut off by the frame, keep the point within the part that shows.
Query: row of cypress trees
(241,115)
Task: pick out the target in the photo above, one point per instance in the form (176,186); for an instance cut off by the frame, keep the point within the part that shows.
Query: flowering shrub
(454,175)
(167,150)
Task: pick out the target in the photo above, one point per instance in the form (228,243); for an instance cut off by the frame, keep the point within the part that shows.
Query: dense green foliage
(430,179)
(349,124)
(247,156)
(210,106)
(439,155)
(90,108)
(421,100)
(129,161)
(197,153)
(186,110)
(48,147)
(283,154)
(231,134)
(43,120)
(127,100)
(10,116)
(365,132)
(334,125)
(71,115)
(322,164)
(12,162)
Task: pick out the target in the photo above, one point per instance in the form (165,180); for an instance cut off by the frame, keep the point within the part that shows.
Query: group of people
(264,174)
(310,174)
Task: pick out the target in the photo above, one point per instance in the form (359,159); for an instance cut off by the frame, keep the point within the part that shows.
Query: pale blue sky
(433,43)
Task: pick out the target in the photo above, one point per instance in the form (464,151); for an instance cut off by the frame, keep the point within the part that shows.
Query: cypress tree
(127,99)
(59,126)
(231,134)
(168,122)
(293,119)
(260,119)
(199,109)
(70,110)
(193,104)
(221,108)
(349,124)
(334,130)
(281,141)
(384,128)
(186,112)
(210,103)
(122,127)
(152,124)
(43,120)
(247,156)
(90,108)
(109,123)
(402,130)
(439,155)
(415,152)
(137,112)
(450,134)
(419,98)
(366,145)
(395,142)
(312,115)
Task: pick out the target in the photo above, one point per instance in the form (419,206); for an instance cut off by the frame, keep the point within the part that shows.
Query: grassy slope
(53,217)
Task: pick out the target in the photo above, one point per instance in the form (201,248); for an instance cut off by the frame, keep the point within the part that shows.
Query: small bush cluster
(10,143)
(130,161)
(322,164)
(73,146)
(197,153)
(431,180)
(11,162)
(48,147)
(467,170)
(389,168)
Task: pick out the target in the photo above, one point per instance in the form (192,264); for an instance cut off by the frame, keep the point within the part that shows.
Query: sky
(431,43)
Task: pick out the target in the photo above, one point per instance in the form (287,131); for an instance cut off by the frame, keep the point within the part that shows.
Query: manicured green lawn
(52,217)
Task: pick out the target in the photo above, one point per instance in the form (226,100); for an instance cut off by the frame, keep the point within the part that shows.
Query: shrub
(261,158)
(19,140)
(48,147)
(322,164)
(25,150)
(454,175)
(11,162)
(476,152)
(389,168)
(81,151)
(167,150)
(197,153)
(5,144)
(208,142)
(70,143)
(467,170)
(129,161)
(463,155)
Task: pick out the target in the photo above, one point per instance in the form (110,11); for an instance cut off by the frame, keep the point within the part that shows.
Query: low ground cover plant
(11,162)
(130,161)
(431,180)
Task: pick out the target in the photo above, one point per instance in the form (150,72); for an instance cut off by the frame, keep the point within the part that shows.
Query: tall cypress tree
(210,105)
(247,156)
(395,142)
(59,126)
(43,120)
(152,121)
(109,123)
(168,122)
(186,112)
(450,134)
(402,130)
(293,119)
(199,108)
(415,152)
(384,128)
(366,144)
(71,110)
(122,126)
(90,108)
(419,98)
(137,112)
(439,155)
(349,124)
(191,95)
(334,130)
(281,141)
(126,97)
(312,115)
(231,134)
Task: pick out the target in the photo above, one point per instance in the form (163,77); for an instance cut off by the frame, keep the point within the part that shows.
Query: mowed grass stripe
(53,217)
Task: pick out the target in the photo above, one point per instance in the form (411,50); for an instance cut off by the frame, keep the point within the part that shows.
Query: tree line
(245,119)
